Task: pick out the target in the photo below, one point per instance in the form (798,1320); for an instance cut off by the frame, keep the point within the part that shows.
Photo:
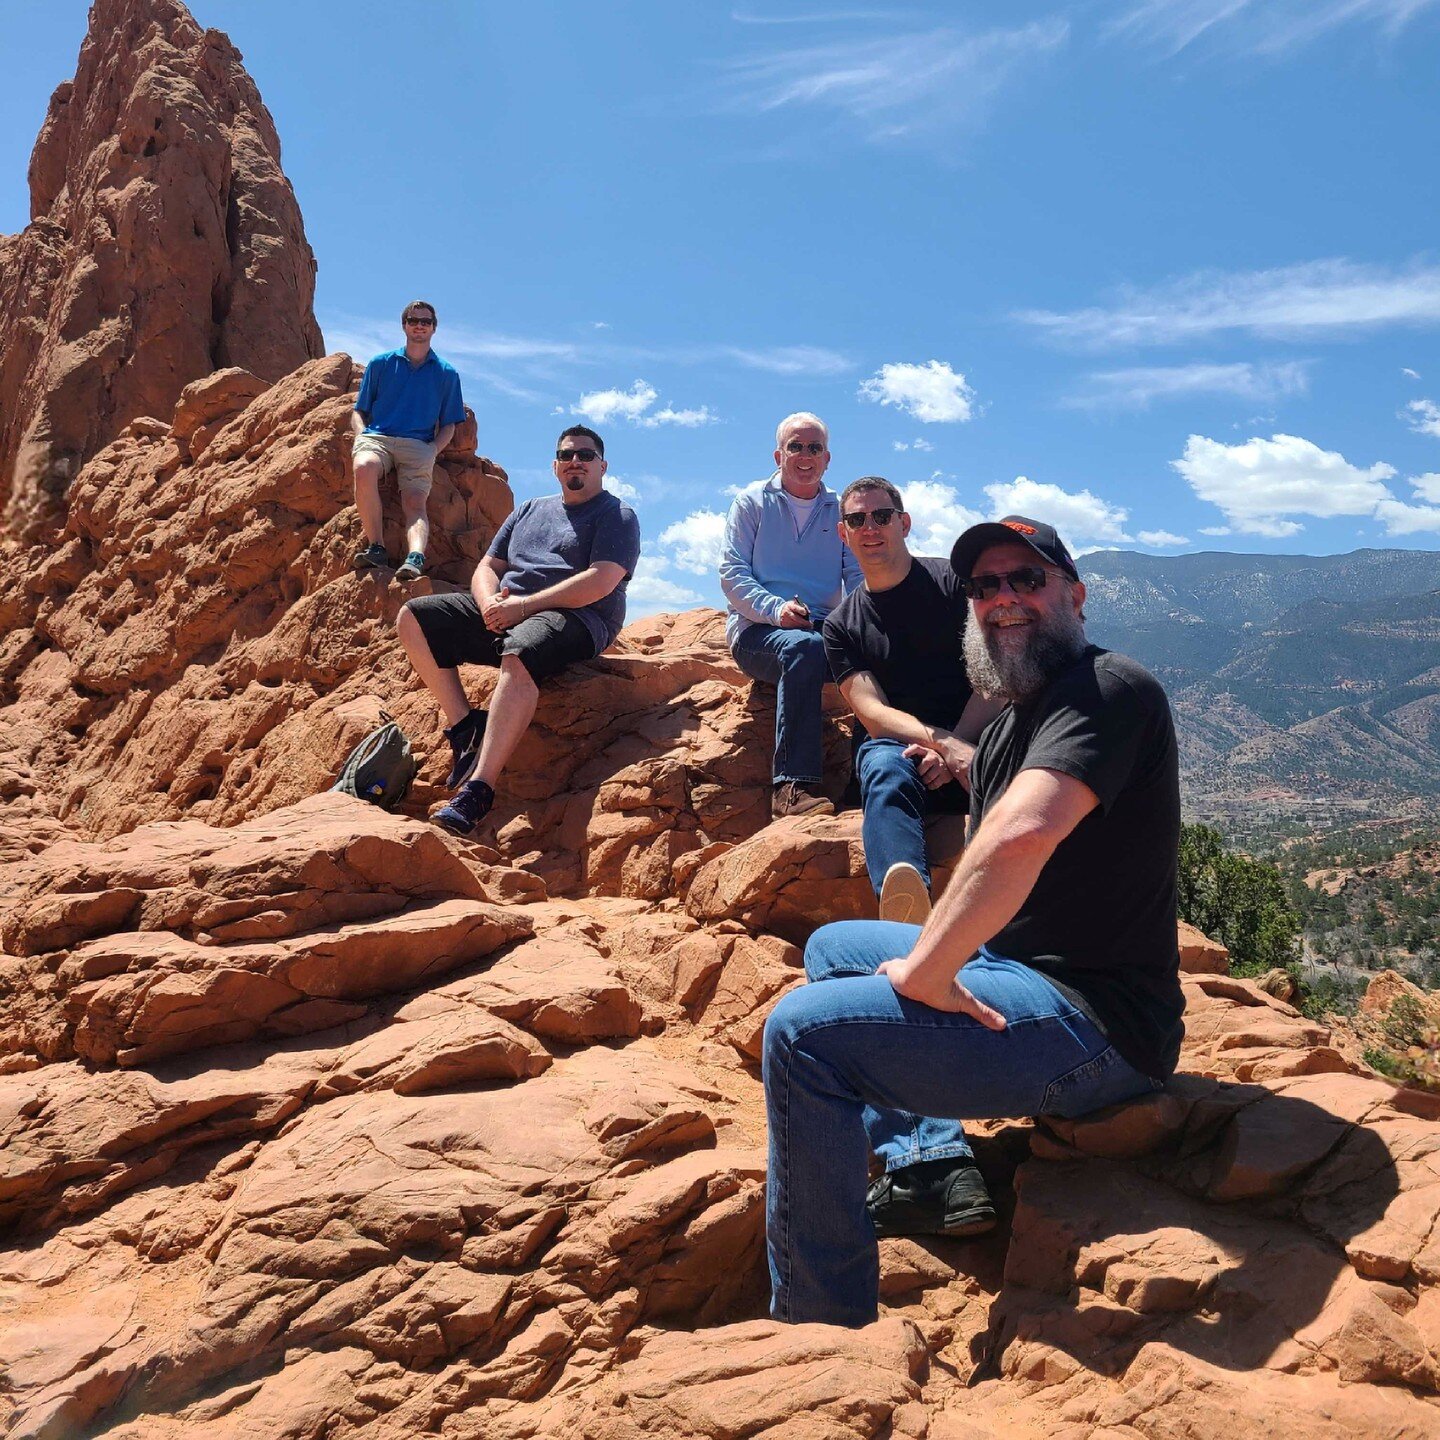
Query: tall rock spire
(165,242)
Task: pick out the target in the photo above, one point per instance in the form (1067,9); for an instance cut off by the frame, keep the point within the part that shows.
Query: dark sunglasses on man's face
(881,515)
(584,453)
(1025,581)
(805,447)
(419,319)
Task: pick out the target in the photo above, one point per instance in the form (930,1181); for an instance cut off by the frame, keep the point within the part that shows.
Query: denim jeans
(794,662)
(895,801)
(851,1059)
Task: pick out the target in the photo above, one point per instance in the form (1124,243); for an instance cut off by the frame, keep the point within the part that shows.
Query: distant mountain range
(1306,688)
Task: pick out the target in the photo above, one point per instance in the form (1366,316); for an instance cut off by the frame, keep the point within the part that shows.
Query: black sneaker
(935,1197)
(372,557)
(467,808)
(413,567)
(465,736)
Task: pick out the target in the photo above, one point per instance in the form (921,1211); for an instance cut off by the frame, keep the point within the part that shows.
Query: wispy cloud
(1161,539)
(814,17)
(1322,296)
(1140,387)
(1255,27)
(930,392)
(894,86)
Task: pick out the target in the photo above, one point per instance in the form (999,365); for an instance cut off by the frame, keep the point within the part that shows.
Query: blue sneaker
(413,567)
(466,809)
(465,736)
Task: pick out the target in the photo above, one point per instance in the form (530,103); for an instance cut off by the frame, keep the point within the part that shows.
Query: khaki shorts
(413,461)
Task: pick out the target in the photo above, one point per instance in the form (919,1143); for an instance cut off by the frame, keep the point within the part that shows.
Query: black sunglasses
(805,447)
(584,453)
(1025,581)
(882,515)
(419,319)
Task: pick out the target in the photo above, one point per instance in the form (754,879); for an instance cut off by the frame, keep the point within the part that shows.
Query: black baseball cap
(1040,537)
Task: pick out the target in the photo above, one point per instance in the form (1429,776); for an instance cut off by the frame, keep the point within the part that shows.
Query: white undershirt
(801,509)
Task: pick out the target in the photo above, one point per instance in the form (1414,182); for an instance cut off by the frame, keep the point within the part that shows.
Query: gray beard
(1055,643)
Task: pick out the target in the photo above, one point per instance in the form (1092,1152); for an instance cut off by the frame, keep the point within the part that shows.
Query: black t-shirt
(1100,921)
(910,638)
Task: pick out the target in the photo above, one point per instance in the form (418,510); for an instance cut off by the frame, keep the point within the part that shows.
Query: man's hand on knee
(930,764)
(942,993)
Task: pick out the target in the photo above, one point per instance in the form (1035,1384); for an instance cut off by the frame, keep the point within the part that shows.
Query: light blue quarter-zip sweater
(766,562)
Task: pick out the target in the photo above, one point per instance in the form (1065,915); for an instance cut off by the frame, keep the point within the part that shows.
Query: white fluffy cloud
(931,392)
(1423,417)
(920,443)
(1400,518)
(600,407)
(1161,539)
(1080,517)
(623,488)
(1260,482)
(936,515)
(694,543)
(650,592)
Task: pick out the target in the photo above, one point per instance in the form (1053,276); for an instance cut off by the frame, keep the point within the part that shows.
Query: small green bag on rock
(380,768)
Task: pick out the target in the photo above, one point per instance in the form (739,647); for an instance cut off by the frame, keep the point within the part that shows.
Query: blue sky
(1165,272)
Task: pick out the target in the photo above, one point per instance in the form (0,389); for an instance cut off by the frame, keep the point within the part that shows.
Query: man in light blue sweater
(783,570)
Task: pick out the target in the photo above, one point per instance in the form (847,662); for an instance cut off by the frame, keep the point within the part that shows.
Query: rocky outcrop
(164,243)
(327,1124)
(196,644)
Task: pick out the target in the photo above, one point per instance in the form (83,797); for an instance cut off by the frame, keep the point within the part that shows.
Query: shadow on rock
(1250,1228)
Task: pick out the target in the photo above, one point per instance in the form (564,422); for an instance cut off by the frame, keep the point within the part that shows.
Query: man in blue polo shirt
(407,409)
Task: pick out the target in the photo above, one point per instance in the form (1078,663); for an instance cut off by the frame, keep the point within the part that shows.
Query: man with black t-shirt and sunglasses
(894,647)
(1045,982)
(549,593)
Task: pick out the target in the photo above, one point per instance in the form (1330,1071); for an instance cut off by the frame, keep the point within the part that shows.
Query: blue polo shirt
(411,401)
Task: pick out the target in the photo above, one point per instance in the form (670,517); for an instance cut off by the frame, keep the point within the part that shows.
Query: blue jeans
(794,662)
(895,801)
(852,1059)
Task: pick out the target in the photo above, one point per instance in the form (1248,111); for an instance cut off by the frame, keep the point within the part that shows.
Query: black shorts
(545,643)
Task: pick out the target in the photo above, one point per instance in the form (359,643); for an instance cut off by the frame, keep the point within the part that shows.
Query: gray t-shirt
(546,541)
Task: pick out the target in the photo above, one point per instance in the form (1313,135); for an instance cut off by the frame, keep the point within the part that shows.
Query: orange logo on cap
(1016,525)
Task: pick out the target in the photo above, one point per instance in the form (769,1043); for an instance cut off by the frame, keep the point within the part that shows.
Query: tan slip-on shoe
(903,895)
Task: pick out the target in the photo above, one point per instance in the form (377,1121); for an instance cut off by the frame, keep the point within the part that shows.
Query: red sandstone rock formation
(317,1122)
(165,242)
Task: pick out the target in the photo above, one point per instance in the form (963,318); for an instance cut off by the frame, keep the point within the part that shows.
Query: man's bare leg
(417,521)
(368,472)
(444,685)
(512,708)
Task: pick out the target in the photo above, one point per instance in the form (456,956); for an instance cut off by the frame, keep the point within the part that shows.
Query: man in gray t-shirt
(549,592)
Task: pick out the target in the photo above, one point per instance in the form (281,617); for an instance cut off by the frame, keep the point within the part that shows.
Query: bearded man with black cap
(1046,980)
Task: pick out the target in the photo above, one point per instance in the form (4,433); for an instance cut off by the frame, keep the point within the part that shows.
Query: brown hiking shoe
(793,797)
